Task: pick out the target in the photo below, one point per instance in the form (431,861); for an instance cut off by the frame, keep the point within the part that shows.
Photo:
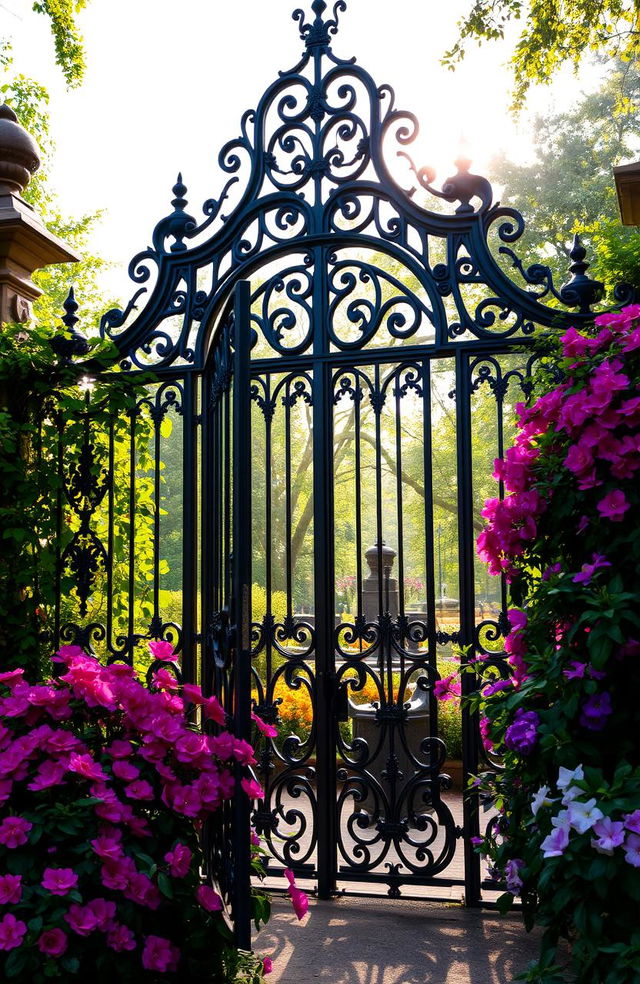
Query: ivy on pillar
(26,244)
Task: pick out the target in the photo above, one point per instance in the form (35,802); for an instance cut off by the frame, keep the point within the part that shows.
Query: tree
(66,37)
(568,188)
(554,33)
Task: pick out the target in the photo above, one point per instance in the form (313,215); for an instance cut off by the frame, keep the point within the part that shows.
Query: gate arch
(316,282)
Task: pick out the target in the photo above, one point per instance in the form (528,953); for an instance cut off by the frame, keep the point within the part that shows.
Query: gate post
(25,243)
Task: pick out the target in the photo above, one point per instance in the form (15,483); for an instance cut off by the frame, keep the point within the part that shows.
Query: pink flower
(193,693)
(179,860)
(632,850)
(104,911)
(243,752)
(613,506)
(59,881)
(143,891)
(160,954)
(53,942)
(119,749)
(267,729)
(485,726)
(82,920)
(125,770)
(49,774)
(12,677)
(162,649)
(12,931)
(10,889)
(267,965)
(140,789)
(13,831)
(120,938)
(448,688)
(108,848)
(252,788)
(208,899)
(213,709)
(299,899)
(84,765)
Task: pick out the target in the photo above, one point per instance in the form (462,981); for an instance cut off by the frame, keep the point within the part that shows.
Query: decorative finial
(73,342)
(178,224)
(580,291)
(318,33)
(464,186)
(19,158)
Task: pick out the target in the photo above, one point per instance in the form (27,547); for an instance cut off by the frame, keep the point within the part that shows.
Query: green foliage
(66,37)
(553,34)
(569,186)
(568,836)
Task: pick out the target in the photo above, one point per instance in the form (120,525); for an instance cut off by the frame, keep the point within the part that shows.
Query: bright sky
(167,83)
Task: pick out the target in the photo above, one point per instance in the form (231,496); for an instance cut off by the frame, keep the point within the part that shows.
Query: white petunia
(568,776)
(540,799)
(582,816)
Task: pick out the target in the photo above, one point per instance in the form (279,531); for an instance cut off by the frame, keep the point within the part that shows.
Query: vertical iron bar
(398,397)
(287,497)
(157,420)
(467,616)
(242,597)
(132,533)
(110,532)
(323,570)
(189,530)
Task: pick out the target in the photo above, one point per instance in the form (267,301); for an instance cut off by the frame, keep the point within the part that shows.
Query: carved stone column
(25,243)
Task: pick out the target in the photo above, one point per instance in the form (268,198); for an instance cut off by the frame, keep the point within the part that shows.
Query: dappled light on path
(377,941)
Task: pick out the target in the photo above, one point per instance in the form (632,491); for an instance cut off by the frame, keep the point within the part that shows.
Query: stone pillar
(370,586)
(25,243)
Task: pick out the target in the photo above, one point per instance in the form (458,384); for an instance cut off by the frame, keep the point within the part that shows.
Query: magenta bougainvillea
(564,720)
(105,786)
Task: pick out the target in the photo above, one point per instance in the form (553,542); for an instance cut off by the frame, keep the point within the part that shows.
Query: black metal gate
(338,361)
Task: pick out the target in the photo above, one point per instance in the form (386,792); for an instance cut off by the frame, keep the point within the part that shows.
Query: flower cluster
(579,815)
(560,708)
(105,786)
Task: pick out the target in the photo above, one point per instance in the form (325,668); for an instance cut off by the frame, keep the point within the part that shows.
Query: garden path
(380,941)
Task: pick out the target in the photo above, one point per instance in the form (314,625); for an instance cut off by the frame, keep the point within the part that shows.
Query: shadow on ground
(378,941)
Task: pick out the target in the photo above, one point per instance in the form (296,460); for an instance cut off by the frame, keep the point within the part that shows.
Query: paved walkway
(383,941)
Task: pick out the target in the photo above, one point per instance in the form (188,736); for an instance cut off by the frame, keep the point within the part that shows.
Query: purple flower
(609,834)
(553,846)
(588,570)
(595,711)
(576,671)
(632,821)
(522,735)
(512,875)
(632,850)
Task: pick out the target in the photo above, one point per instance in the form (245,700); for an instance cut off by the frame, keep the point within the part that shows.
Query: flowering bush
(566,722)
(104,788)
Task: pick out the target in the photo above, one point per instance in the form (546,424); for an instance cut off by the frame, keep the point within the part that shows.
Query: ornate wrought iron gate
(338,360)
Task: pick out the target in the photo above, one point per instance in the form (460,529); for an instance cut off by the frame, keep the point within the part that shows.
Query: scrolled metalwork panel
(285,686)
(392,820)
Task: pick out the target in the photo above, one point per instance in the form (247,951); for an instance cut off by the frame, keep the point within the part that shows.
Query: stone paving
(380,941)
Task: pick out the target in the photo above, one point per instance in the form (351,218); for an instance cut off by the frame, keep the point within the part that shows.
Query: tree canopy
(555,32)
(569,188)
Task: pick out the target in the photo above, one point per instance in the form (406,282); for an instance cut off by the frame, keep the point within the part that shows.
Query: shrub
(566,721)
(104,790)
